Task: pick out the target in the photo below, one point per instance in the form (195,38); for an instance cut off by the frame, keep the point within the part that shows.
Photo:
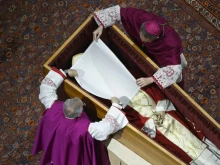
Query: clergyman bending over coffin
(148,110)
(65,133)
(161,42)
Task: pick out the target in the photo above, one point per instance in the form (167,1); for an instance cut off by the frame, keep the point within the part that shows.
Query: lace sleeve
(49,86)
(108,17)
(168,75)
(114,120)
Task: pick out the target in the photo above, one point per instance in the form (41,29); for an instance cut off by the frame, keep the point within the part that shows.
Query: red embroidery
(112,120)
(107,17)
(113,15)
(99,20)
(157,82)
(169,72)
(48,81)
(59,72)
(167,75)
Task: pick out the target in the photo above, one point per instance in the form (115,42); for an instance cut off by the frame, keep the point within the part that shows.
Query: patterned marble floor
(31,31)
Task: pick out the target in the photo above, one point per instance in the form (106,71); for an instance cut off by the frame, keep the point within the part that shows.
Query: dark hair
(146,34)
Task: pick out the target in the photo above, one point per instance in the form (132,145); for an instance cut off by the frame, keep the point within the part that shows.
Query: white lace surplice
(101,73)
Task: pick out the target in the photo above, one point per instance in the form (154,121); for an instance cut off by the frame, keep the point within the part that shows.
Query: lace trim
(108,17)
(166,76)
(113,121)
(48,81)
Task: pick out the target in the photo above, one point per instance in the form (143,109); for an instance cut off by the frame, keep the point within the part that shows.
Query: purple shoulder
(172,38)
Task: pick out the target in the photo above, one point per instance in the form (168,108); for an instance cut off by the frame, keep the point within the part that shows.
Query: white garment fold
(101,73)
(150,128)
(165,105)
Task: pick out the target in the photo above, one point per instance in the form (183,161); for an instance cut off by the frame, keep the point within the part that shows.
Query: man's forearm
(114,120)
(49,86)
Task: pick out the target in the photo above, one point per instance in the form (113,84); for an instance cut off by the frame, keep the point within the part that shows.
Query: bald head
(72,108)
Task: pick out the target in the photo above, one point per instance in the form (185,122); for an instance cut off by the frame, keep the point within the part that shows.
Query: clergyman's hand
(97,33)
(142,82)
(72,72)
(115,100)
(160,118)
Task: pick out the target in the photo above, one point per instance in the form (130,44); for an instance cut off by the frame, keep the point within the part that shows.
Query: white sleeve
(164,105)
(168,75)
(108,17)
(114,120)
(48,88)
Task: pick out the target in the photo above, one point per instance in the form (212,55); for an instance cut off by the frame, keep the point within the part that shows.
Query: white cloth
(165,105)
(121,155)
(101,73)
(109,16)
(114,119)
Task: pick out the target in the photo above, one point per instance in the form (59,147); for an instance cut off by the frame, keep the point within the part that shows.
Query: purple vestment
(67,141)
(164,51)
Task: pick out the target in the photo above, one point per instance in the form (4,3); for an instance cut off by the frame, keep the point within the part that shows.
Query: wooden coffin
(139,65)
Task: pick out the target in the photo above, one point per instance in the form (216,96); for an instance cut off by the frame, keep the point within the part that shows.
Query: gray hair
(146,34)
(72,108)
